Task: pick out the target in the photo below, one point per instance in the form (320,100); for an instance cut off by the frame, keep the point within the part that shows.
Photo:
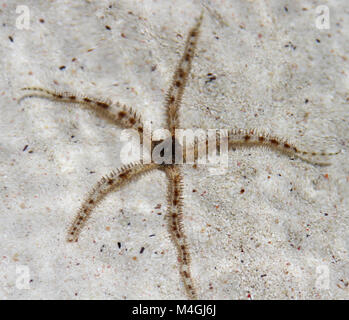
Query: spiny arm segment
(110,183)
(242,138)
(115,113)
(176,90)
(254,137)
(175,225)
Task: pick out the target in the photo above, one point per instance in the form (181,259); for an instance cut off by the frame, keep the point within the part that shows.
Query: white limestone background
(285,237)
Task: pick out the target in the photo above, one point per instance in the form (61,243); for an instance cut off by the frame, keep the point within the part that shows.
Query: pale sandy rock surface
(270,227)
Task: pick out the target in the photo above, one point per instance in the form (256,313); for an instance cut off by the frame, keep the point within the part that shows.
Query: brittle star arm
(175,225)
(176,90)
(115,113)
(253,137)
(110,183)
(241,138)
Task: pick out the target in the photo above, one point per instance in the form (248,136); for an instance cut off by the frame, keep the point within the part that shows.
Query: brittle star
(126,117)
